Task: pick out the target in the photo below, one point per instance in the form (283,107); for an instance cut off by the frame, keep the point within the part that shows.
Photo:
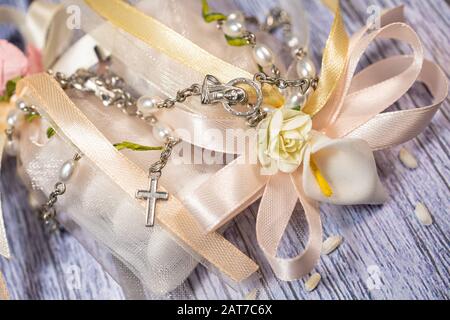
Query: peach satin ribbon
(73,126)
(354,111)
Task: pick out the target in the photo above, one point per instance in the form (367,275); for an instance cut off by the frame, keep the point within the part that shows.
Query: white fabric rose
(282,138)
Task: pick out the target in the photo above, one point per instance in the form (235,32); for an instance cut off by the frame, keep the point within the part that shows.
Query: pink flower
(34,60)
(13,63)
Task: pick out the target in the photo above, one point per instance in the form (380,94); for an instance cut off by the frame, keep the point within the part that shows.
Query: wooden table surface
(386,254)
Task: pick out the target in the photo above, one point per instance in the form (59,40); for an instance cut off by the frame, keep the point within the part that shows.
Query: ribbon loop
(277,204)
(390,129)
(359,104)
(333,63)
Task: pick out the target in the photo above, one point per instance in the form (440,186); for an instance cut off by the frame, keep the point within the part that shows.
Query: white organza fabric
(98,206)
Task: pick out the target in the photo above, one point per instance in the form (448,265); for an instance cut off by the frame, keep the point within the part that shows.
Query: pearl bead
(20,104)
(147,105)
(296,100)
(12,147)
(14,118)
(233,28)
(67,170)
(306,68)
(268,109)
(236,16)
(263,55)
(161,132)
(293,42)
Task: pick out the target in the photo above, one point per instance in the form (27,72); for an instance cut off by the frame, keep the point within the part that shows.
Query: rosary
(110,89)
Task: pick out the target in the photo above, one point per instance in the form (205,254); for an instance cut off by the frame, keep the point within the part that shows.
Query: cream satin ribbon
(72,125)
(356,105)
(44,26)
(164,39)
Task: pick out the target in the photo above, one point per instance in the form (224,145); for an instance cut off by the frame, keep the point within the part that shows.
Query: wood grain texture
(413,260)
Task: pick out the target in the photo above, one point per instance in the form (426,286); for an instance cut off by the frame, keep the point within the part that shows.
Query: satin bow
(344,106)
(351,126)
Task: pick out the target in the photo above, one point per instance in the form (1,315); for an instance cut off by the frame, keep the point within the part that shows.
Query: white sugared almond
(407,159)
(331,244)
(312,282)
(423,215)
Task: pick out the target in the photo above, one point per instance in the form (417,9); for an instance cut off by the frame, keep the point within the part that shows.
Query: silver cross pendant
(151,196)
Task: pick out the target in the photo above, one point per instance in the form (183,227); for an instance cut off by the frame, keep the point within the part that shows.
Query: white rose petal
(282,139)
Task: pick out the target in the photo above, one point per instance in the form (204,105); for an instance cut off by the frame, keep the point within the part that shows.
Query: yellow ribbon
(333,62)
(162,38)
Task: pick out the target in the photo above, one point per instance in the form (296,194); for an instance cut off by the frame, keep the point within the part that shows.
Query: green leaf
(237,42)
(31,117)
(10,89)
(296,108)
(50,132)
(134,146)
(211,16)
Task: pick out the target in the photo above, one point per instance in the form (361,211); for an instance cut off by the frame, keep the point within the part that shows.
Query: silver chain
(182,95)
(276,18)
(110,89)
(282,84)
(250,37)
(165,155)
(47,211)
